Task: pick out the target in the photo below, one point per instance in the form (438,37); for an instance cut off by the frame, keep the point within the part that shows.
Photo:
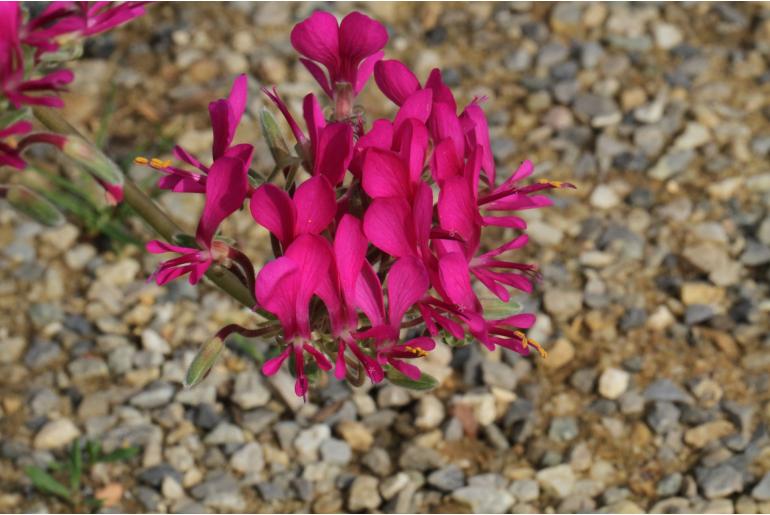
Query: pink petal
(444,123)
(276,290)
(360,36)
(334,152)
(409,370)
(188,158)
(315,206)
(272,365)
(441,93)
(445,162)
(457,210)
(223,125)
(417,106)
(314,119)
(272,208)
(161,247)
(369,295)
(411,142)
(521,320)
(349,253)
(312,254)
(473,119)
(317,38)
(340,366)
(385,175)
(226,188)
(379,136)
(407,282)
(319,75)
(395,80)
(238,97)
(456,281)
(319,357)
(365,70)
(388,225)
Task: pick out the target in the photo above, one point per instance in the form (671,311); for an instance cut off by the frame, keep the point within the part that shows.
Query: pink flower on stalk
(406,283)
(13,84)
(76,19)
(328,148)
(10,154)
(226,187)
(348,51)
(309,212)
(284,287)
(225,115)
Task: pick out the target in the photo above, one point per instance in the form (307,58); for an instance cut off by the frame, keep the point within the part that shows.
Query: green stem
(152,214)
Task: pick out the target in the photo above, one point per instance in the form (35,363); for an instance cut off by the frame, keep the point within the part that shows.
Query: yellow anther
(159,164)
(555,184)
(417,351)
(538,347)
(140,160)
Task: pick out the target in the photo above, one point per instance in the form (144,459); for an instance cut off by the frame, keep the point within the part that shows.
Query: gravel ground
(654,303)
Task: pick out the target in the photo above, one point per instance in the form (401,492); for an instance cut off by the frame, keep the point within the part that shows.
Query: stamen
(555,184)
(417,351)
(156,163)
(141,160)
(543,353)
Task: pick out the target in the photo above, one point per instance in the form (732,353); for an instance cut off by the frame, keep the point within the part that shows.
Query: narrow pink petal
(422,207)
(514,222)
(411,143)
(385,175)
(349,253)
(272,208)
(444,123)
(456,281)
(319,357)
(315,206)
(409,370)
(319,75)
(226,188)
(188,158)
(521,320)
(223,126)
(276,290)
(441,93)
(474,120)
(161,247)
(314,119)
(445,162)
(388,225)
(395,80)
(407,282)
(334,152)
(312,254)
(340,366)
(238,97)
(365,70)
(317,38)
(369,295)
(422,342)
(271,366)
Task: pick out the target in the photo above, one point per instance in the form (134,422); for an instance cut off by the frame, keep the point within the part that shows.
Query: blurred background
(653,304)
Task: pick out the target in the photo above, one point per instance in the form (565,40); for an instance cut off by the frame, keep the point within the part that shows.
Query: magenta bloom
(10,155)
(225,115)
(226,188)
(18,89)
(309,212)
(348,51)
(284,287)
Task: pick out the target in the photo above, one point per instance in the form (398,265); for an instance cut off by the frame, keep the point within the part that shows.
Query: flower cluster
(383,234)
(28,49)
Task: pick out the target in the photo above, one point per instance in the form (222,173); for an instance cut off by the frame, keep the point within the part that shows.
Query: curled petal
(272,208)
(395,80)
(407,282)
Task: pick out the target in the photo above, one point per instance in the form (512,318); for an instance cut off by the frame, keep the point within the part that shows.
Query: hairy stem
(152,214)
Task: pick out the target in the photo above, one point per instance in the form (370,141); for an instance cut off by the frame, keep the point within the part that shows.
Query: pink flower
(348,51)
(309,212)
(328,148)
(18,89)
(225,115)
(406,283)
(10,154)
(226,187)
(284,287)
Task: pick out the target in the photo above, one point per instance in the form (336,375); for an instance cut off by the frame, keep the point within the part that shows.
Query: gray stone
(55,434)
(391,395)
(755,254)
(309,440)
(447,478)
(250,391)
(364,493)
(154,476)
(666,390)
(558,480)
(525,490)
(698,313)
(719,481)
(258,420)
(429,412)
(378,461)
(41,354)
(149,498)
(336,451)
(663,417)
(420,458)
(672,163)
(669,485)
(761,492)
(484,499)
(223,434)
(613,383)
(272,491)
(563,429)
(393,485)
(155,396)
(249,459)
(631,403)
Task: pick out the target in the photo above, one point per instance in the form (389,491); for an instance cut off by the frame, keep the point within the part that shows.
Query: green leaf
(94,451)
(203,361)
(32,204)
(93,160)
(241,344)
(76,465)
(185,240)
(273,136)
(425,382)
(495,308)
(12,116)
(46,483)
(123,454)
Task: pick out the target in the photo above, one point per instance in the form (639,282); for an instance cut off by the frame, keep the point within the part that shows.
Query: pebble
(393,485)
(56,434)
(558,480)
(225,433)
(704,434)
(447,478)
(669,485)
(308,441)
(429,412)
(604,197)
(250,391)
(560,354)
(355,434)
(667,390)
(761,492)
(525,490)
(484,499)
(720,481)
(154,397)
(364,493)
(663,417)
(249,459)
(336,451)
(667,36)
(613,383)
